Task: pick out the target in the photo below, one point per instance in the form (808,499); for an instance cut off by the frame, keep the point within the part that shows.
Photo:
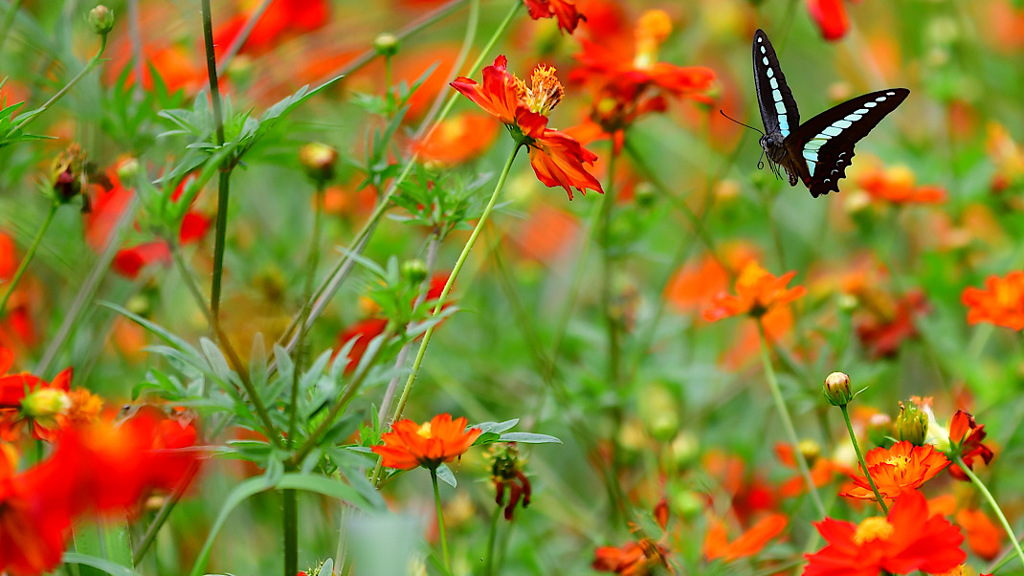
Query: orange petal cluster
(565,11)
(897,469)
(638,558)
(1001,302)
(410,445)
(757,292)
(717,545)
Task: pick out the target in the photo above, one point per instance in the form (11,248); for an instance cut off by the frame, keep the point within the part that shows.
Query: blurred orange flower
(716,544)
(907,540)
(545,234)
(889,323)
(409,444)
(1000,303)
(281,20)
(566,12)
(823,470)
(457,139)
(639,558)
(17,327)
(896,185)
(758,292)
(557,159)
(830,16)
(983,537)
(896,469)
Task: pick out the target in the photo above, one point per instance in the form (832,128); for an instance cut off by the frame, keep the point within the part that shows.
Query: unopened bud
(102,19)
(318,161)
(414,271)
(45,403)
(837,389)
(128,171)
(386,44)
(67,173)
(911,424)
(810,450)
(880,430)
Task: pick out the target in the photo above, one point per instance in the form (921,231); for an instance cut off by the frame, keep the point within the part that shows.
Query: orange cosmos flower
(896,185)
(757,291)
(633,559)
(716,544)
(626,88)
(897,469)
(1000,303)
(557,158)
(983,537)
(965,436)
(568,16)
(457,139)
(830,16)
(409,444)
(907,540)
(44,408)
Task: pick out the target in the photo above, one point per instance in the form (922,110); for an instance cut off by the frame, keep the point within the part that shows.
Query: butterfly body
(818,151)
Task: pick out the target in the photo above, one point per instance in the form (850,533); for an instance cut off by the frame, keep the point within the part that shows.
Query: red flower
(983,537)
(907,540)
(830,16)
(1000,303)
(897,469)
(557,159)
(757,291)
(965,436)
(28,400)
(891,323)
(566,12)
(409,444)
(363,331)
(632,559)
(896,185)
(281,19)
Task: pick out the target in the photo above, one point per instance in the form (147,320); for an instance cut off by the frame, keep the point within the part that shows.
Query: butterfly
(818,151)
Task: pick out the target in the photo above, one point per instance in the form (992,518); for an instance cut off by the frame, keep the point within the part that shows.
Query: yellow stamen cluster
(871,529)
(545,90)
(652,29)
(424,430)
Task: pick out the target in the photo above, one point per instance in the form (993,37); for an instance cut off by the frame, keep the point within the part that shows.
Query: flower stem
(787,422)
(440,521)
(860,458)
(992,502)
(492,536)
(32,115)
(604,235)
(28,257)
(290,520)
(8,20)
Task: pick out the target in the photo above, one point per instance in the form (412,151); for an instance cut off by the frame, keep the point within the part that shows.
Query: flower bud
(128,171)
(414,271)
(318,161)
(659,411)
(837,389)
(45,403)
(880,430)
(102,19)
(810,450)
(685,449)
(911,424)
(386,44)
(68,174)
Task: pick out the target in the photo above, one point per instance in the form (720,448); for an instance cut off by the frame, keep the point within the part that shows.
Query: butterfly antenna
(720,111)
(760,161)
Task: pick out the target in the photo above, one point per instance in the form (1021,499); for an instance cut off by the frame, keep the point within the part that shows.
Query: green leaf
(529,438)
(444,474)
(107,566)
(108,539)
(497,427)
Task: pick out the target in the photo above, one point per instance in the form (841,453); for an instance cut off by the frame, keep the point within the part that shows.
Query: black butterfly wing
(778,108)
(823,146)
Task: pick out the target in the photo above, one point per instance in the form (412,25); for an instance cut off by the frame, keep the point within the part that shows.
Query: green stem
(162,514)
(992,502)
(440,521)
(311,264)
(290,519)
(492,536)
(787,422)
(190,282)
(400,407)
(224,187)
(611,318)
(860,458)
(30,116)
(28,257)
(8,20)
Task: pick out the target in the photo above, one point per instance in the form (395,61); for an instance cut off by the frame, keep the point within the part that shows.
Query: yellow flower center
(424,430)
(876,528)
(652,29)
(545,90)
(898,462)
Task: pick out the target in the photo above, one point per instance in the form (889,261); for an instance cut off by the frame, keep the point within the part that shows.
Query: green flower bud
(414,271)
(102,19)
(837,389)
(911,424)
(318,161)
(386,44)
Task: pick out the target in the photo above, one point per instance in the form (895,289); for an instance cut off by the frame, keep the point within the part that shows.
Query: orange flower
(890,323)
(568,16)
(626,88)
(908,539)
(557,159)
(965,436)
(897,469)
(28,400)
(457,139)
(633,559)
(545,234)
(749,492)
(280,20)
(823,470)
(830,16)
(896,185)
(757,291)
(1000,303)
(693,285)
(409,445)
(716,544)
(983,537)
